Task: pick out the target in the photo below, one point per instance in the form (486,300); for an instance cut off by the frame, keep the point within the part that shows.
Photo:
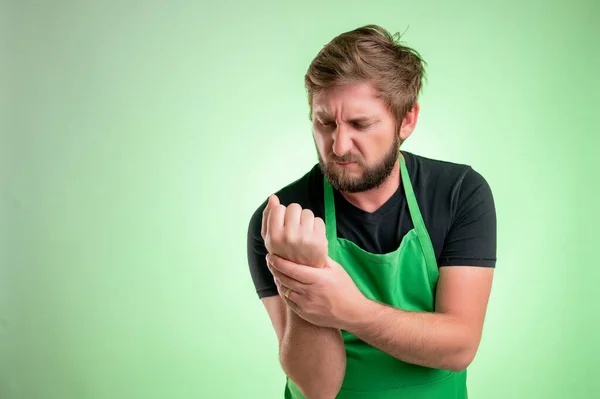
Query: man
(376,266)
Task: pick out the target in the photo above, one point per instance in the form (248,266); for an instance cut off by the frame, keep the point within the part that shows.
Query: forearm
(428,339)
(313,357)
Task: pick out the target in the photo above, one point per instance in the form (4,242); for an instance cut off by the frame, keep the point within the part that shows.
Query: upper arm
(469,256)
(463,292)
(470,238)
(277,313)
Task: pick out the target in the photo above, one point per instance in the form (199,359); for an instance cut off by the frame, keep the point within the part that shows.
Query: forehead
(348,100)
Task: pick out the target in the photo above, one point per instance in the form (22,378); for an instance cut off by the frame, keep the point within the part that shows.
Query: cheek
(374,146)
(322,141)
(386,134)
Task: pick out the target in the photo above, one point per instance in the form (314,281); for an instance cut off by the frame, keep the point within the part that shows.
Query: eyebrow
(325,115)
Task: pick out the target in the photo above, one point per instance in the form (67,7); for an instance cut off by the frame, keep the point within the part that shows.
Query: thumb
(273,202)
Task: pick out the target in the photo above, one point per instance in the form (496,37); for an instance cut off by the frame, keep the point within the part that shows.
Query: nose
(342,141)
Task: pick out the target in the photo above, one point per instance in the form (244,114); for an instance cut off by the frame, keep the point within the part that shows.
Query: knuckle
(275,233)
(307,213)
(274,214)
(277,212)
(269,244)
(274,239)
(322,244)
(305,240)
(308,301)
(288,236)
(294,207)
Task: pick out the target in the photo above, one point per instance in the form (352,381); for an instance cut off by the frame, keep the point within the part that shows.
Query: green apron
(405,278)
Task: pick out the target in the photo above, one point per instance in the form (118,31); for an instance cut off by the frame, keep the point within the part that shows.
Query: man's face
(356,137)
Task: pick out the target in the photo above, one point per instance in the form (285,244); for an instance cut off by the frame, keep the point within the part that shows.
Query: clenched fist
(294,233)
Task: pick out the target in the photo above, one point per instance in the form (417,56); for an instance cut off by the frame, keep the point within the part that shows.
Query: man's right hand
(294,233)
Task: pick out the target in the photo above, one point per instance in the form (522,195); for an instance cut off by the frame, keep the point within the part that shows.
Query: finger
(319,227)
(301,273)
(272,202)
(307,222)
(275,221)
(288,282)
(292,301)
(272,270)
(288,297)
(292,215)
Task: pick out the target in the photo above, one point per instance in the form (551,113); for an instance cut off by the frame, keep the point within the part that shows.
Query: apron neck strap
(413,207)
(330,223)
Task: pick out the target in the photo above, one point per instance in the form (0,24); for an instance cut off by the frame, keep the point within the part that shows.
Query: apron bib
(406,279)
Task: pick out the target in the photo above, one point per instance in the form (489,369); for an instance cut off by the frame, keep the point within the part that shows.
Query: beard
(373,176)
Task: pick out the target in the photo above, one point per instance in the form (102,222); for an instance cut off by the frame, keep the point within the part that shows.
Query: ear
(409,122)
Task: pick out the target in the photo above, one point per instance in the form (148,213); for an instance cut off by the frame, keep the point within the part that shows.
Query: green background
(139,137)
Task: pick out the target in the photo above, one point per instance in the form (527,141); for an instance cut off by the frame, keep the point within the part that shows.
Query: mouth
(345,164)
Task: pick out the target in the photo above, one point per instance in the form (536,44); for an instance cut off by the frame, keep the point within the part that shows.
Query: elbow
(312,386)
(312,389)
(458,367)
(462,360)
(316,394)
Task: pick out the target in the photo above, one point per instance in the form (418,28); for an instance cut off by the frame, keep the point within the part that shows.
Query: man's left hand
(326,296)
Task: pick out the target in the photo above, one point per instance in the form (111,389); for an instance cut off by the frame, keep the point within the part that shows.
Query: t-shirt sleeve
(471,238)
(264,282)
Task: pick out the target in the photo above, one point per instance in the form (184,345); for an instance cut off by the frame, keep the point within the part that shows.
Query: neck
(370,201)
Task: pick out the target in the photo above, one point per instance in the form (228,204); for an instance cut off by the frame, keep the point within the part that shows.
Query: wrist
(360,314)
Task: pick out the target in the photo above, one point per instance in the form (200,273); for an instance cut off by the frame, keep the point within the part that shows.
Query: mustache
(345,158)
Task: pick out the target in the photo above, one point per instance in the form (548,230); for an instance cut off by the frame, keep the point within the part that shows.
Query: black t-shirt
(455,201)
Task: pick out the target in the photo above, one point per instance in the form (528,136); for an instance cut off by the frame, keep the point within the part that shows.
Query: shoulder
(452,194)
(436,176)
(435,169)
(458,208)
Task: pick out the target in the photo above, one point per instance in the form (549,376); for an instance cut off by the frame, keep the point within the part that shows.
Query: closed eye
(360,126)
(326,124)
